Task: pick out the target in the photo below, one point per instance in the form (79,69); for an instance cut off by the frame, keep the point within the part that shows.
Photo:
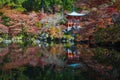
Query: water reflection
(36,62)
(16,55)
(63,61)
(110,58)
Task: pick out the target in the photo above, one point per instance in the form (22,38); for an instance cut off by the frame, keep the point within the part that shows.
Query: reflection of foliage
(13,73)
(40,74)
(50,74)
(26,36)
(100,54)
(107,56)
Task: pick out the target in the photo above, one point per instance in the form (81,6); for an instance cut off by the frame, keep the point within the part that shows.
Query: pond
(58,61)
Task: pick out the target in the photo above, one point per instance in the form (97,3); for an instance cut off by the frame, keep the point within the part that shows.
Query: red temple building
(73,20)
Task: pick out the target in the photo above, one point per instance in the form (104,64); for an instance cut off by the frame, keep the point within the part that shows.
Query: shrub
(110,34)
(5,20)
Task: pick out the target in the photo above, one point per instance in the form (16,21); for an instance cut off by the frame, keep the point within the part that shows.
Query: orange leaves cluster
(27,21)
(102,23)
(55,31)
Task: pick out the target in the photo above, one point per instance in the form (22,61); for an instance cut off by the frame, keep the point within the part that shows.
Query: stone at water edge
(36,41)
(7,41)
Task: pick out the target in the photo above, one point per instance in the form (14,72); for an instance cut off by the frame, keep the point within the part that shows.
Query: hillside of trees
(36,5)
(28,13)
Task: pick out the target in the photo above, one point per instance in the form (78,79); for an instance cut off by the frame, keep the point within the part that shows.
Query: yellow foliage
(55,31)
(1,39)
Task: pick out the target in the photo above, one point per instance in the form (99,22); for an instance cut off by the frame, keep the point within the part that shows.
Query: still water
(58,61)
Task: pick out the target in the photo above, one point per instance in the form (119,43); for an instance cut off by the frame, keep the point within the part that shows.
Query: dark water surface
(63,61)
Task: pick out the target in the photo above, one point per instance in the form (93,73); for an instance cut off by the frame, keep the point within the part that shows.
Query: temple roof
(75,14)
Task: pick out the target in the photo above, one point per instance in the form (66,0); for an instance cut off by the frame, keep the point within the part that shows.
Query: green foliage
(4,36)
(30,5)
(36,5)
(3,2)
(12,5)
(38,24)
(17,4)
(1,39)
(62,21)
(5,20)
(21,9)
(69,4)
(1,13)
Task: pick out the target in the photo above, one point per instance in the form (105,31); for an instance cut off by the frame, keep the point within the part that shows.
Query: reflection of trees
(52,55)
(51,74)
(108,57)
(17,57)
(37,73)
(99,62)
(3,53)
(83,48)
(16,74)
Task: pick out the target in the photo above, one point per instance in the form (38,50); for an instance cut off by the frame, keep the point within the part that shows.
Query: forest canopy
(36,5)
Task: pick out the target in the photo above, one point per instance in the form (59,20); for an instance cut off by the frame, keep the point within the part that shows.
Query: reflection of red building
(73,20)
(73,57)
